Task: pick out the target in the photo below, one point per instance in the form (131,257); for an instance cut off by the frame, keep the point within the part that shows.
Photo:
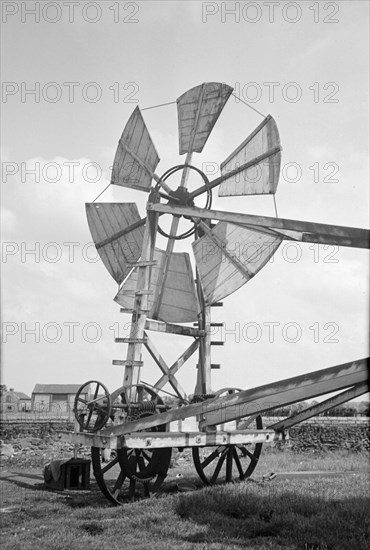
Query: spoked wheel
(110,477)
(227,462)
(92,413)
(144,466)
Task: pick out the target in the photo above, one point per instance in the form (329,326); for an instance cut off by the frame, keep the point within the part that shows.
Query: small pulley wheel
(92,406)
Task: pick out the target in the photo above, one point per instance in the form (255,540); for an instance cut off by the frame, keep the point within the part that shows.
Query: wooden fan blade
(198,110)
(118,233)
(179,301)
(136,157)
(228,256)
(256,161)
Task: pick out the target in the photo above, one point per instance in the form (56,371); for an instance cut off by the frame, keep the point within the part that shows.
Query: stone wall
(315,434)
(330,436)
(38,428)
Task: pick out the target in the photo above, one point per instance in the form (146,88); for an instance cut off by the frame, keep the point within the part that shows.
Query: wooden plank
(179,302)
(136,157)
(170,328)
(260,399)
(341,235)
(319,408)
(289,391)
(123,221)
(228,256)
(263,145)
(198,110)
(153,440)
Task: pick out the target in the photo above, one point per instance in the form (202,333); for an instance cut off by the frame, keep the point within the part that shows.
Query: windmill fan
(118,231)
(160,290)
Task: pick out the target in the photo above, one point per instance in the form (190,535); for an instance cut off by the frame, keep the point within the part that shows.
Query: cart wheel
(92,414)
(148,466)
(227,462)
(110,477)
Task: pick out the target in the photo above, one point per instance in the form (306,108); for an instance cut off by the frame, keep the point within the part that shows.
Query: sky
(72,73)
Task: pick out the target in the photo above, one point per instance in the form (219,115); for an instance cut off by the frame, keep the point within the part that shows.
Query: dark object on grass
(68,474)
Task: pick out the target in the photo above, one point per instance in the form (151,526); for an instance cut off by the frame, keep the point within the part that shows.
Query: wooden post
(133,361)
(203,385)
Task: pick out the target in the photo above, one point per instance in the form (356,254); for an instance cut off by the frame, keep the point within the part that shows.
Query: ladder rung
(135,292)
(217,304)
(141,311)
(213,366)
(143,263)
(126,363)
(131,340)
(217,343)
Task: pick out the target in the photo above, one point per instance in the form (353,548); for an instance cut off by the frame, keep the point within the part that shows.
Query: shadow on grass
(277,516)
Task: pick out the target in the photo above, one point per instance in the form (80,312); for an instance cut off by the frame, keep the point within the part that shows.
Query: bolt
(148,442)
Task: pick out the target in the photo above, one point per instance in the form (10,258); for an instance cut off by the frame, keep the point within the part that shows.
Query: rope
(276,212)
(160,105)
(101,192)
(250,106)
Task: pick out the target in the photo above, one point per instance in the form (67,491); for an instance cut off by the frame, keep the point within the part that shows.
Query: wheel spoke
(251,455)
(109,465)
(209,458)
(81,399)
(229,464)
(238,464)
(96,391)
(117,486)
(218,468)
(146,455)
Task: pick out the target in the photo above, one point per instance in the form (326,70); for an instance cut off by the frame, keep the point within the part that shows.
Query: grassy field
(304,513)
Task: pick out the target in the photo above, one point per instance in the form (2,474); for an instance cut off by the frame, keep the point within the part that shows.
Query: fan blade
(118,233)
(228,256)
(179,302)
(136,157)
(198,110)
(261,152)
(303,231)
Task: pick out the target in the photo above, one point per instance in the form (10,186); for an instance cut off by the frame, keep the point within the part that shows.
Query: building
(55,398)
(14,401)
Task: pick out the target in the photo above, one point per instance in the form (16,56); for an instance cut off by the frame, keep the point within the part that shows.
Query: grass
(307,513)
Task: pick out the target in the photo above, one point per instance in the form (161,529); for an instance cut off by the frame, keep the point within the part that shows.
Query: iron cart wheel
(124,474)
(92,414)
(149,466)
(227,462)
(110,477)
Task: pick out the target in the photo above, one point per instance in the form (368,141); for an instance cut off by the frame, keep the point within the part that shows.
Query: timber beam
(306,231)
(322,407)
(257,400)
(171,328)
(153,440)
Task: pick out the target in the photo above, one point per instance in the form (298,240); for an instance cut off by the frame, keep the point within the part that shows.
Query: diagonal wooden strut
(319,408)
(260,399)
(165,369)
(169,372)
(311,232)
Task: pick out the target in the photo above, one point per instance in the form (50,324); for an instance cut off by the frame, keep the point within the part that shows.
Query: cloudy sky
(72,74)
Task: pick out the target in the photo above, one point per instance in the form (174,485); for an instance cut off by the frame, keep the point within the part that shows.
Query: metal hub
(181,197)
